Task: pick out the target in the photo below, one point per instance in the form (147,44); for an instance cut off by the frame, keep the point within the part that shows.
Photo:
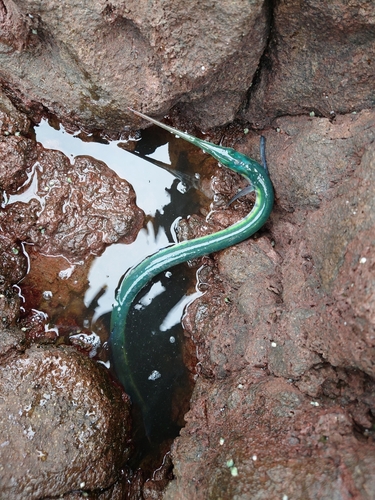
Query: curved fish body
(137,277)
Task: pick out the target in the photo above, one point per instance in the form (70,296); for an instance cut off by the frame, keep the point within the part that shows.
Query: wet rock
(111,55)
(12,121)
(153,488)
(77,209)
(296,303)
(16,155)
(64,426)
(13,266)
(261,438)
(319,59)
(9,307)
(13,262)
(154,56)
(12,342)
(16,151)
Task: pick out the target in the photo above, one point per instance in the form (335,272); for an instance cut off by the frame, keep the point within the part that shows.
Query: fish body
(138,277)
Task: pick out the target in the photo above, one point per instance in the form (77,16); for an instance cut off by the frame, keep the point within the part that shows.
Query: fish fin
(248,189)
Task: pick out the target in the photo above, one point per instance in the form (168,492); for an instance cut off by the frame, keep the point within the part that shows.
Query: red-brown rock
(77,209)
(64,427)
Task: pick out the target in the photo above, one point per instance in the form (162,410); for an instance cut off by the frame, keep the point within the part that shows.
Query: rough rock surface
(320,58)
(256,436)
(13,262)
(13,266)
(61,208)
(17,152)
(12,121)
(215,60)
(131,53)
(296,303)
(63,426)
(67,209)
(284,405)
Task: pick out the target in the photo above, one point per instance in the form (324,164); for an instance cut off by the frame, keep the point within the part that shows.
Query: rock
(64,426)
(261,438)
(9,307)
(13,267)
(319,59)
(295,303)
(16,155)
(12,342)
(11,120)
(313,155)
(13,262)
(77,210)
(16,151)
(215,61)
(287,316)
(325,274)
(106,56)
(16,28)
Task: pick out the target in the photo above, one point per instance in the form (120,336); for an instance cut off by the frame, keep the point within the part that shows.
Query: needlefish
(140,275)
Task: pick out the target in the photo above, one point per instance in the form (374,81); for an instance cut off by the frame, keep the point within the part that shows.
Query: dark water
(167,188)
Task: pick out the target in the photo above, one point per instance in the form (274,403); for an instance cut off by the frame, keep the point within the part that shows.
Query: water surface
(167,188)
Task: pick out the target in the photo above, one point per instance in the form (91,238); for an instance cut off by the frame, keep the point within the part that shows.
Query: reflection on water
(149,183)
(165,195)
(159,194)
(155,351)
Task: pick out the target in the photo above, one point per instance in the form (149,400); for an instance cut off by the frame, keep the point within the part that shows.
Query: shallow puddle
(167,188)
